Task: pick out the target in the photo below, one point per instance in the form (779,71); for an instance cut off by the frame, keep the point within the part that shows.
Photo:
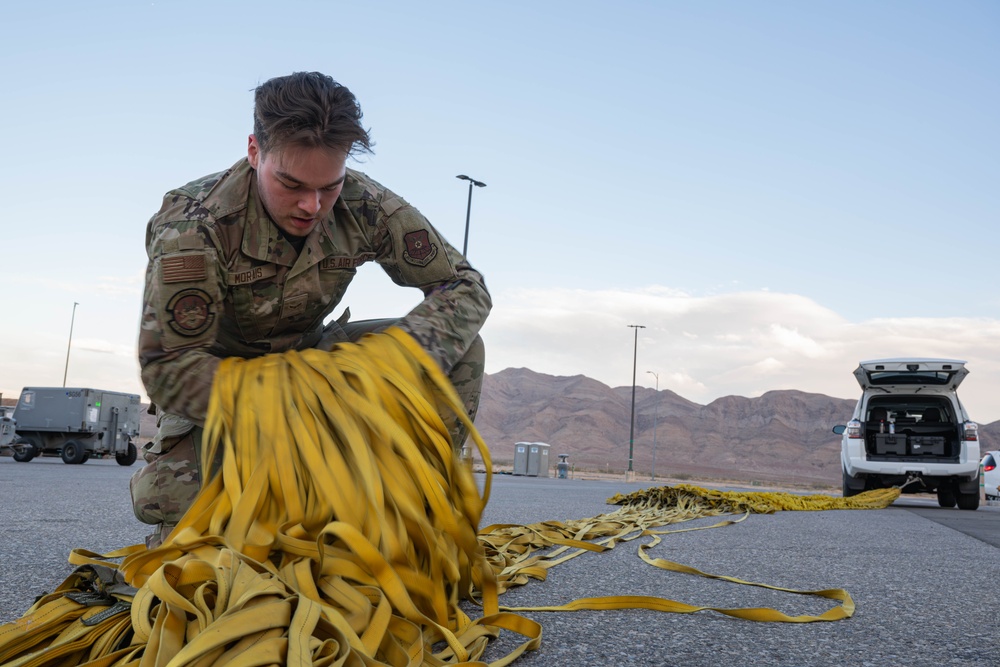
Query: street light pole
(656,407)
(70,343)
(630,473)
(468,208)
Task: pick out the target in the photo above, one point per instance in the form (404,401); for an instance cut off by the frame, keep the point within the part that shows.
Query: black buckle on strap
(118,607)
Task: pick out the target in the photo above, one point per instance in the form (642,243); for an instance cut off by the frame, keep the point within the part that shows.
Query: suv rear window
(912,377)
(913,409)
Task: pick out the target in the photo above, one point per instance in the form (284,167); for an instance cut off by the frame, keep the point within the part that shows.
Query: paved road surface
(923,578)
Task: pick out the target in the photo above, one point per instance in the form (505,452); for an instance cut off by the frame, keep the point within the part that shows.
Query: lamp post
(468,208)
(630,473)
(656,407)
(70,343)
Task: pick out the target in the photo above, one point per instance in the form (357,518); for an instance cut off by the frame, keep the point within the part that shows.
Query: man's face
(298,185)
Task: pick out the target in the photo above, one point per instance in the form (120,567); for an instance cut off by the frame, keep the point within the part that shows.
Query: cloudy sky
(774,190)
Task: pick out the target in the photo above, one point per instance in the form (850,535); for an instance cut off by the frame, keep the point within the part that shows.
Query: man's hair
(308,109)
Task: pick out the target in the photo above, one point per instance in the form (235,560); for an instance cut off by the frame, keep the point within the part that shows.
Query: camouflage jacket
(222,281)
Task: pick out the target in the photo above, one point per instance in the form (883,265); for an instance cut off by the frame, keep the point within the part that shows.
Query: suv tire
(851,486)
(946,496)
(967,501)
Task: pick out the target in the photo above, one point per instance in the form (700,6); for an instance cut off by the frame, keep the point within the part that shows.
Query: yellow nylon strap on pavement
(712,501)
(340,530)
(516,551)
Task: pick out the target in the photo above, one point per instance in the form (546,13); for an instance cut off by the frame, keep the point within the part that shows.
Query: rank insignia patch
(190,312)
(419,249)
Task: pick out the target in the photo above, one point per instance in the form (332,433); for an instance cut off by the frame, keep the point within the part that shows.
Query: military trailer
(76,424)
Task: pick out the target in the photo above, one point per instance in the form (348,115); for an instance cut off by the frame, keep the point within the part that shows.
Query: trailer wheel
(73,452)
(26,450)
(127,458)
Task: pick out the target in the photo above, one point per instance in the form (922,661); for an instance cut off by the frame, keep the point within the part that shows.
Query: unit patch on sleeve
(419,249)
(191,312)
(183,268)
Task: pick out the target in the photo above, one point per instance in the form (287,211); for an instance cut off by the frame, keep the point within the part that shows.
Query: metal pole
(468,209)
(656,408)
(468,214)
(70,343)
(631,422)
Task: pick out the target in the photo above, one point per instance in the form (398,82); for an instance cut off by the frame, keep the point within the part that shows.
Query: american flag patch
(183,269)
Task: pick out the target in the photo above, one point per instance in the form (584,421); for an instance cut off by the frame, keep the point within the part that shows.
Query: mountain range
(781,436)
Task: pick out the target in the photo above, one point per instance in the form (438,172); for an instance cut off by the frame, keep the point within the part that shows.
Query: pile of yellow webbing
(340,530)
(711,502)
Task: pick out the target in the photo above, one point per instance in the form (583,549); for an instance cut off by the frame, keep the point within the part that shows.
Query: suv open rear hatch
(911,373)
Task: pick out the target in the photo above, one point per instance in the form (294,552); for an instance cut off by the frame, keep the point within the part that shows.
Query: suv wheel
(946,495)
(851,486)
(967,501)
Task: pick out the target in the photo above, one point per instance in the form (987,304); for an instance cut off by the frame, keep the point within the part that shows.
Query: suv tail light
(989,466)
(970,431)
(854,429)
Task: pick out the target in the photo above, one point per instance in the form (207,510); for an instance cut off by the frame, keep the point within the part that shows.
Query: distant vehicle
(76,424)
(909,429)
(991,475)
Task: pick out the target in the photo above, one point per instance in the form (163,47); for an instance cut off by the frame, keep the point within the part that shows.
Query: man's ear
(253,151)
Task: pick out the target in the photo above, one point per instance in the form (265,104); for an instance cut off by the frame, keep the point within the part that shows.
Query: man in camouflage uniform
(254,259)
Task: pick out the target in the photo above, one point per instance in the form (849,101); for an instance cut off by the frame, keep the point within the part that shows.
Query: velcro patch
(183,268)
(191,312)
(252,275)
(419,249)
(331,263)
(293,306)
(390,206)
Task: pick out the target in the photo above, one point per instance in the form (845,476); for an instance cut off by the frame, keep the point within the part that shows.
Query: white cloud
(769,366)
(685,382)
(791,339)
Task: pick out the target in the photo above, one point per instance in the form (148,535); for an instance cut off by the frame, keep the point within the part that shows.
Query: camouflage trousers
(166,486)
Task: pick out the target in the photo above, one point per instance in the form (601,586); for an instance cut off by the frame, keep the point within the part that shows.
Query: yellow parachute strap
(698,499)
(87,557)
(515,550)
(379,461)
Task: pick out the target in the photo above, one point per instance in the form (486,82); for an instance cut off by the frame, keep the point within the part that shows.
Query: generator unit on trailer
(76,424)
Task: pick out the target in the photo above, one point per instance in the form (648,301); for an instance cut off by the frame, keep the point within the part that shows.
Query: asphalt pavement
(924,579)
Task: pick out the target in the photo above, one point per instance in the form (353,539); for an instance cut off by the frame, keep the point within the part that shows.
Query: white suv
(910,428)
